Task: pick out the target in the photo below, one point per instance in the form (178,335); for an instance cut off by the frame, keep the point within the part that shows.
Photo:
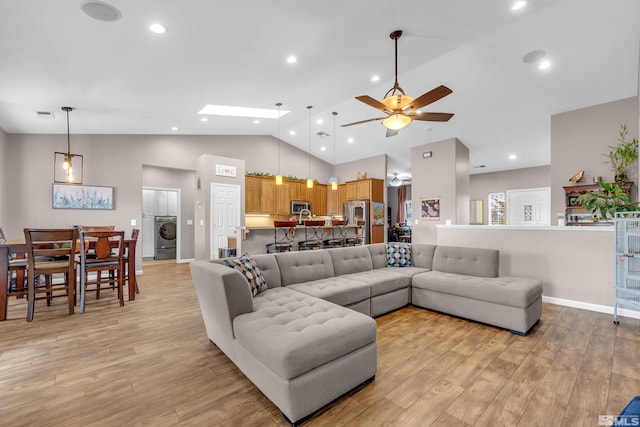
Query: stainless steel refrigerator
(355,212)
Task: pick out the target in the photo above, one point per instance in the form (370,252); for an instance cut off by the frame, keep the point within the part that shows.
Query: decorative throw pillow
(398,255)
(250,271)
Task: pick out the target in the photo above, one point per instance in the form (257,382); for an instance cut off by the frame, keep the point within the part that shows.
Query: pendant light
(67,167)
(334,180)
(279,175)
(309,180)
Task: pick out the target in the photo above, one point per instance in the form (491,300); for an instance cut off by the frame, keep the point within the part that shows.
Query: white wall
(446,175)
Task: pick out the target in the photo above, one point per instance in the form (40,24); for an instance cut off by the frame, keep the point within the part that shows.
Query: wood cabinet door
(332,202)
(351,193)
(268,195)
(251,194)
(363,189)
(295,190)
(283,198)
(342,197)
(320,199)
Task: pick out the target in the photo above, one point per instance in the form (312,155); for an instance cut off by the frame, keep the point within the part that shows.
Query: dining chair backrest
(51,251)
(108,245)
(97,227)
(55,243)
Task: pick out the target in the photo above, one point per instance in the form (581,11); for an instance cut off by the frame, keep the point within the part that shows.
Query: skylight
(226,110)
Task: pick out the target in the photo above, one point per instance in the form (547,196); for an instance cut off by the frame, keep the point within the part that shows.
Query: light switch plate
(189,222)
(133,222)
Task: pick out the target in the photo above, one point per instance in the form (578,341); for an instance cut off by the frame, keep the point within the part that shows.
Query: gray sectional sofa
(310,337)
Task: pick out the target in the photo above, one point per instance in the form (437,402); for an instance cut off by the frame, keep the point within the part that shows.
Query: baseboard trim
(591,307)
(185,261)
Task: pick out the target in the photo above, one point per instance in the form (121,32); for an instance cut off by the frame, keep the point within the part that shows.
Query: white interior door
(225,216)
(529,207)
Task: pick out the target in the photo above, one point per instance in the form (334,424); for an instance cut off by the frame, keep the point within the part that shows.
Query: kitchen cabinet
(172,203)
(148,202)
(320,200)
(283,198)
(365,189)
(160,203)
(260,195)
(332,202)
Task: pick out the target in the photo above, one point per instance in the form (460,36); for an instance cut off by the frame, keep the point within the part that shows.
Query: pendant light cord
(309,107)
(279,104)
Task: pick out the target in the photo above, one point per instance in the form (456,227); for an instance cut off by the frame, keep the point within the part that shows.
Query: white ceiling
(123,79)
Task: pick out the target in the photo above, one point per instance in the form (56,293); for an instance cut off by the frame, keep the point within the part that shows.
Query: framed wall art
(430,208)
(74,196)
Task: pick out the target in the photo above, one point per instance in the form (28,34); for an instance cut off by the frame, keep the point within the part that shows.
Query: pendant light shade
(67,167)
(279,175)
(309,180)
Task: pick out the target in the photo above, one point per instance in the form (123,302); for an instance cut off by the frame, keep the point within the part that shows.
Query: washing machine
(165,237)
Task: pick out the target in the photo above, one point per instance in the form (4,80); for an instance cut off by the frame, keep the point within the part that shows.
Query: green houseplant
(623,155)
(610,199)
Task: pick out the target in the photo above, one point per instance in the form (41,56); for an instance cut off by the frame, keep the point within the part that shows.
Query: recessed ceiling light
(518,5)
(292,60)
(101,11)
(158,28)
(323,148)
(544,64)
(174,128)
(256,121)
(292,132)
(375,78)
(319,121)
(512,157)
(350,140)
(204,119)
(226,110)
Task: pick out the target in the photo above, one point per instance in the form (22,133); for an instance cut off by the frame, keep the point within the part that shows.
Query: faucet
(301,212)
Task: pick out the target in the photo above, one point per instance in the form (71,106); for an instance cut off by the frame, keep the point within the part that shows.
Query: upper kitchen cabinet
(260,195)
(365,189)
(160,202)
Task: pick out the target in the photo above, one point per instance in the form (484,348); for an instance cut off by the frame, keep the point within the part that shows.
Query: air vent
(322,134)
(45,114)
(479,166)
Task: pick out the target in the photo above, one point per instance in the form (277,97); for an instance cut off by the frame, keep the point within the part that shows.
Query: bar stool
(338,234)
(358,231)
(313,235)
(283,233)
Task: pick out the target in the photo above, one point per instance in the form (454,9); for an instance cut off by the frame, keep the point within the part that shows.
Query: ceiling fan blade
(391,132)
(427,98)
(363,121)
(373,103)
(432,117)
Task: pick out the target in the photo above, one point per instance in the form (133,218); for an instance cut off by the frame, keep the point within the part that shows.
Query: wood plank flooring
(150,363)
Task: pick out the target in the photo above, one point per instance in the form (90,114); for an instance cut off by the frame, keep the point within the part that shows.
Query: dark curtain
(402,197)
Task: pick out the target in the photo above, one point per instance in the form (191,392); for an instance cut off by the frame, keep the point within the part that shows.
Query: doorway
(529,207)
(225,218)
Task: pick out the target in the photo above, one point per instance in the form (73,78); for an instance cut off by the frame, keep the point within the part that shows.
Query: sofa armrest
(223,294)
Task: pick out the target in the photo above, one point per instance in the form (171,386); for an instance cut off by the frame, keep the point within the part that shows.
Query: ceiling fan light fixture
(397,102)
(396,121)
(395,182)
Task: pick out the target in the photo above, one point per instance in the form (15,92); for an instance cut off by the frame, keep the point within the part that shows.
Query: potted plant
(623,155)
(611,199)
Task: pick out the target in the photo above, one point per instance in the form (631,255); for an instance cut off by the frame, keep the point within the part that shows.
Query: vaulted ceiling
(124,79)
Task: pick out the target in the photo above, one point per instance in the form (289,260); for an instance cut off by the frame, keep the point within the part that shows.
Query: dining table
(20,247)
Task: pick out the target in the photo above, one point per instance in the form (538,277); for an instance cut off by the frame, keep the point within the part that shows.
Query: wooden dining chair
(125,259)
(49,252)
(97,227)
(16,279)
(108,250)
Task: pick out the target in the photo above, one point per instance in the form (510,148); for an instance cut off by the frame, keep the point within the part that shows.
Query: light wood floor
(150,363)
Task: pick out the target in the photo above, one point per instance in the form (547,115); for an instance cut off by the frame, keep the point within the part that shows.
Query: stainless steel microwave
(298,205)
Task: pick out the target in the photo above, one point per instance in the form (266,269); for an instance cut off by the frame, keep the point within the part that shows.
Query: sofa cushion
(338,290)
(350,260)
(304,266)
(422,255)
(508,291)
(469,261)
(398,255)
(378,253)
(293,333)
(406,271)
(269,267)
(381,280)
(250,271)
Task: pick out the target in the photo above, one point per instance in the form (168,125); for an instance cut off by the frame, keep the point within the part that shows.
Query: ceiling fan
(400,108)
